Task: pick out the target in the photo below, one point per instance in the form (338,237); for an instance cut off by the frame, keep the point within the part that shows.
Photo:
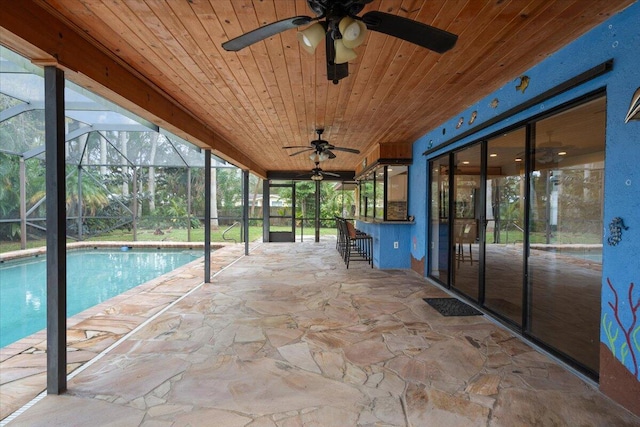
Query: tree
(18,134)
(229,193)
(335,203)
(151,182)
(22,132)
(94,194)
(214,199)
(305,199)
(123,139)
(257,189)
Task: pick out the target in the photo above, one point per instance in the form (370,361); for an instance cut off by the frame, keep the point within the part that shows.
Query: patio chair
(466,234)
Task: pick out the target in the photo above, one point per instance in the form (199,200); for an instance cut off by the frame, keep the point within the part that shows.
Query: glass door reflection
(439,232)
(504,225)
(565,221)
(466,213)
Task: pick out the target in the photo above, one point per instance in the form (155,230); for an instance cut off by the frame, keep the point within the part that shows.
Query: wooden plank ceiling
(274,94)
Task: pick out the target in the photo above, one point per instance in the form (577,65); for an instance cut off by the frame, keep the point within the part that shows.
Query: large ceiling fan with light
(343,30)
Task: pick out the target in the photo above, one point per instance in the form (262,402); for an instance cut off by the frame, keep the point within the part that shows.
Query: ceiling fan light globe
(343,53)
(353,32)
(319,157)
(311,37)
(316,177)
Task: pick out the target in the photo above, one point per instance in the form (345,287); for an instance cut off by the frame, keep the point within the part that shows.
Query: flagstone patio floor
(287,336)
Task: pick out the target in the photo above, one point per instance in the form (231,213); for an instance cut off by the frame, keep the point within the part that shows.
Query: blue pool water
(593,255)
(93,276)
(589,256)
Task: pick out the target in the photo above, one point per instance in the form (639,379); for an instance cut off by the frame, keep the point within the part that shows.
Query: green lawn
(171,235)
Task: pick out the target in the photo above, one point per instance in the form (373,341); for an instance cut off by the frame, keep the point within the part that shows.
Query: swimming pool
(592,255)
(587,252)
(93,276)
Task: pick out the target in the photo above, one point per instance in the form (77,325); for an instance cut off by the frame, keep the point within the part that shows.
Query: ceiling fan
(317,174)
(343,30)
(322,150)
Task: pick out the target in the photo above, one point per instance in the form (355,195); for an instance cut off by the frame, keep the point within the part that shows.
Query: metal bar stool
(358,244)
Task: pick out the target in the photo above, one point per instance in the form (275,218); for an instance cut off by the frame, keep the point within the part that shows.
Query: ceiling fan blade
(412,31)
(348,150)
(296,146)
(330,174)
(301,151)
(262,33)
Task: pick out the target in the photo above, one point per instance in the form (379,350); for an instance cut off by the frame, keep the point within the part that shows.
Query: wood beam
(34,31)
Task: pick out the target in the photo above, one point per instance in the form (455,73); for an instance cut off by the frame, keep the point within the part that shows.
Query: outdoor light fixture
(349,34)
(311,37)
(353,32)
(319,157)
(343,53)
(343,30)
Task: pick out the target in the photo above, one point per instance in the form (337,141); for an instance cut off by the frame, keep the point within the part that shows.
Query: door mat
(452,307)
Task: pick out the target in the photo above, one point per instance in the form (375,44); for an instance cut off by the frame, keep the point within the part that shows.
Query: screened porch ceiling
(163,61)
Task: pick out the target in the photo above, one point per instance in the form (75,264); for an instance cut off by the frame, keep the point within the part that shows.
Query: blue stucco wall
(385,255)
(617,39)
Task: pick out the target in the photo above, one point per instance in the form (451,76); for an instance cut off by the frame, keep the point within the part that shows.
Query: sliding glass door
(466,214)
(516,225)
(565,231)
(504,225)
(439,214)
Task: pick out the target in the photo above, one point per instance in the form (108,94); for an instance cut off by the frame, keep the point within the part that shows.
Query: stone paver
(288,337)
(23,363)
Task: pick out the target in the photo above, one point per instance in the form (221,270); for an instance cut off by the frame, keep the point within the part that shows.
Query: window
(383,193)
(367,195)
(397,192)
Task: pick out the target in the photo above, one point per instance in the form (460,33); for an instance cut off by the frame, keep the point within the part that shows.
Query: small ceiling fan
(322,150)
(317,174)
(343,30)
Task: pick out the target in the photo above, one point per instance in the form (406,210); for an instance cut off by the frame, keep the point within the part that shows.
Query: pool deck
(287,336)
(23,363)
